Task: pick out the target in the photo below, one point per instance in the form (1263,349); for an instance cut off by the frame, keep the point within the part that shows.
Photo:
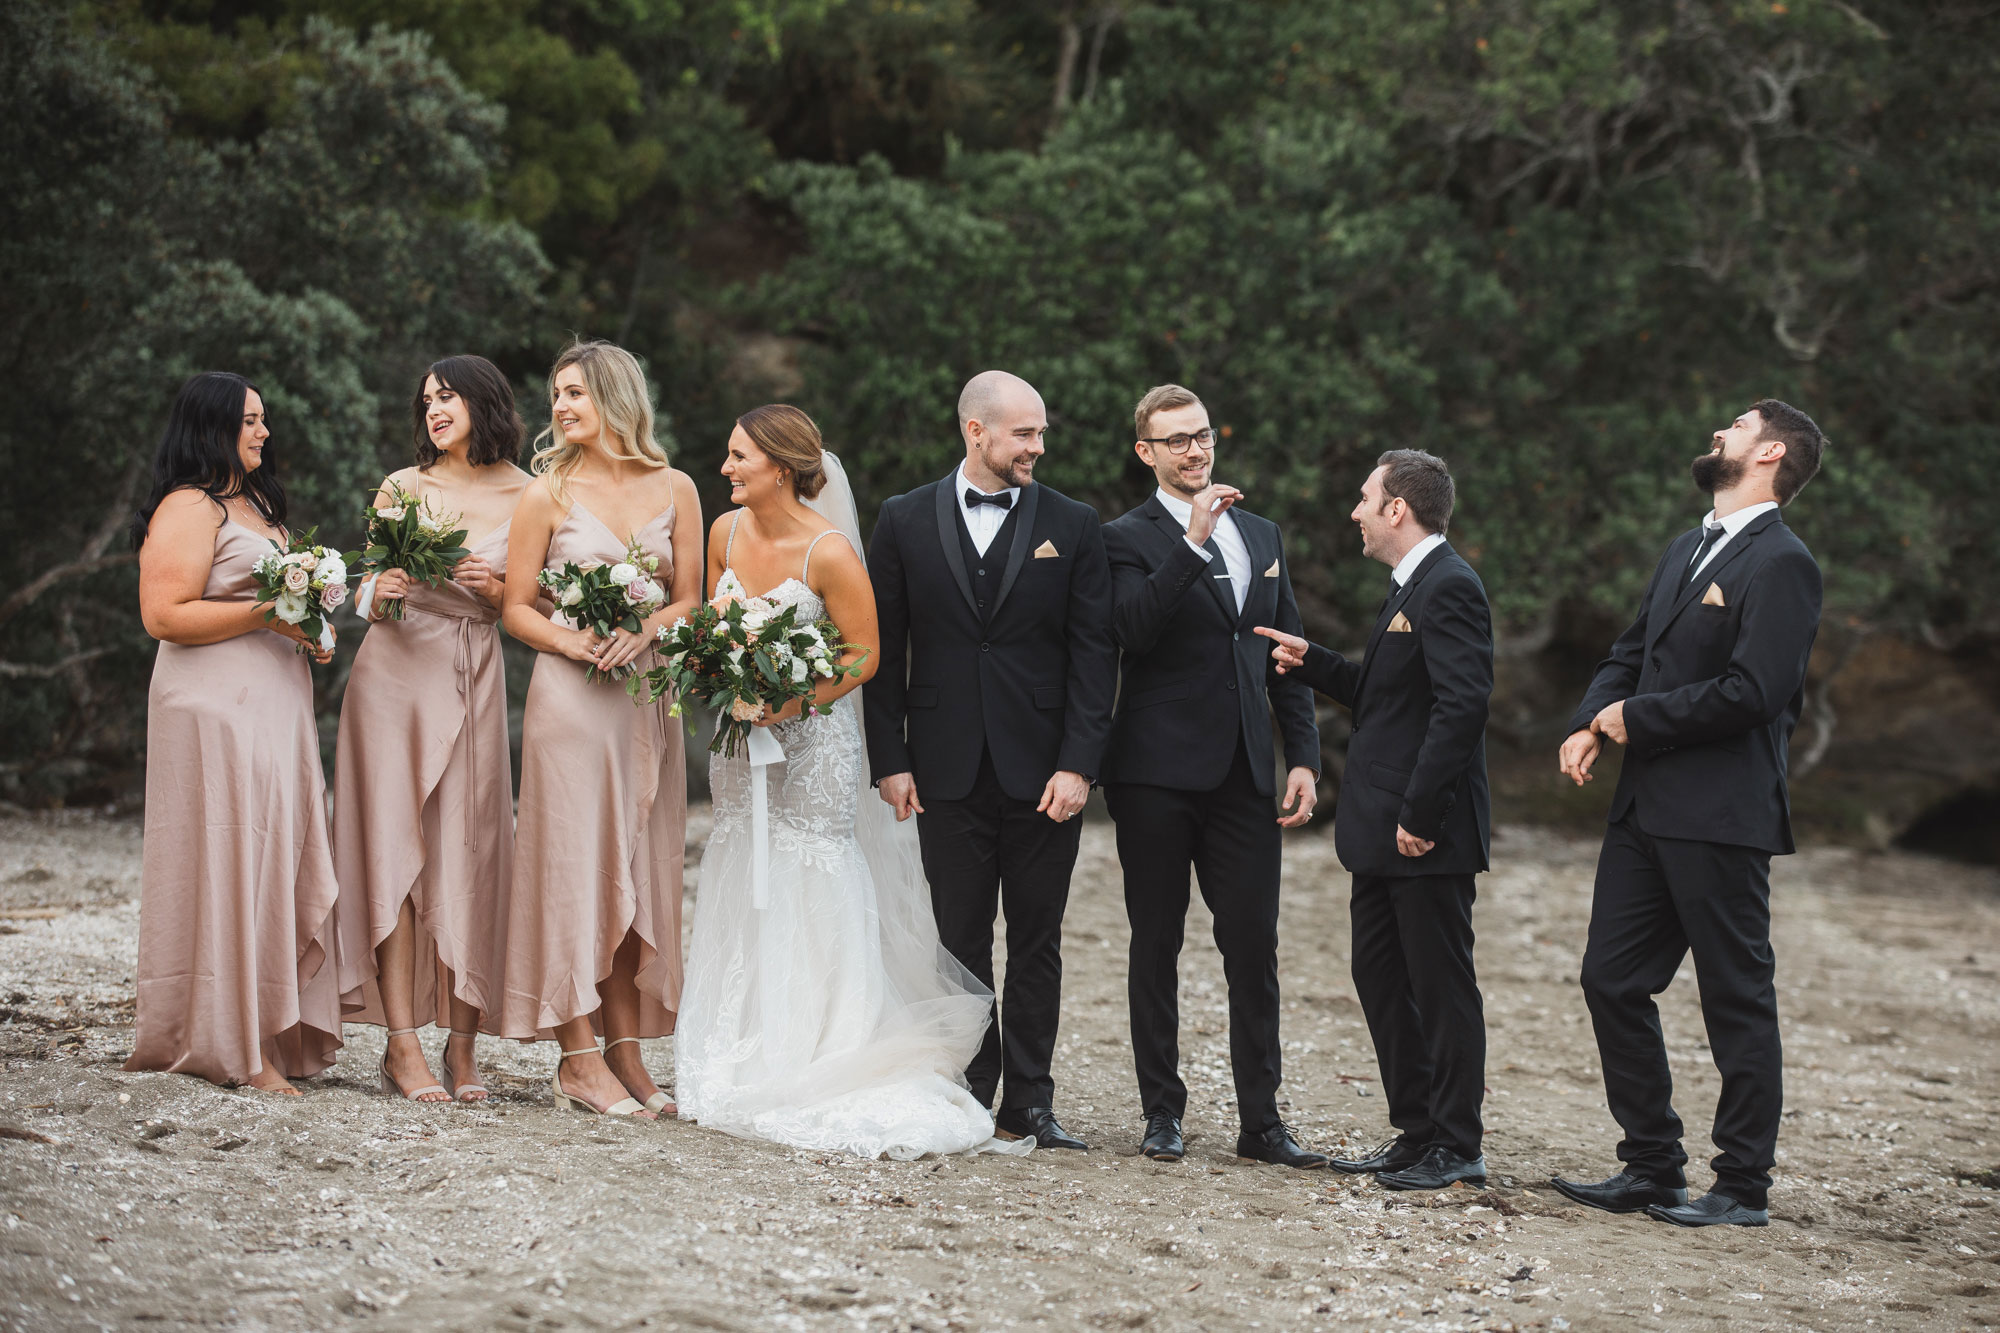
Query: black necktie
(973,499)
(1709,537)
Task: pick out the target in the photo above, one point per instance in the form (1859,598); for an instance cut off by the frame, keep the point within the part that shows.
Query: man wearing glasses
(1189,774)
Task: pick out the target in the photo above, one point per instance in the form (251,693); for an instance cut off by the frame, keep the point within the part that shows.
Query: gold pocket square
(1046,551)
(1713,597)
(1400,625)
(1272,572)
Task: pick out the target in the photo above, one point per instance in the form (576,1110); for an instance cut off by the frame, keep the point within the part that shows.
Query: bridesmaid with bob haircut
(236,927)
(423,810)
(594,925)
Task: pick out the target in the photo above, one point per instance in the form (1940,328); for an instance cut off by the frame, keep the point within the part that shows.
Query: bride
(819,1009)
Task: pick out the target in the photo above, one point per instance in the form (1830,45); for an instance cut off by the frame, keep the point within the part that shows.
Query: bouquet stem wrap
(764,751)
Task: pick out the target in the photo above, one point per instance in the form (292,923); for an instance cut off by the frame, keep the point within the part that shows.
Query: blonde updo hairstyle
(617,386)
(788,438)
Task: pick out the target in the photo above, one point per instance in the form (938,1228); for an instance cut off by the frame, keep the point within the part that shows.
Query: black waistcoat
(986,571)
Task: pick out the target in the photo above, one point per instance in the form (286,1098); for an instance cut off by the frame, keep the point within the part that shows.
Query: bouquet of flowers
(740,656)
(406,535)
(305,583)
(603,598)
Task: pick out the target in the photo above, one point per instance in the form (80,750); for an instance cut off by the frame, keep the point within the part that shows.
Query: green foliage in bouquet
(406,535)
(742,657)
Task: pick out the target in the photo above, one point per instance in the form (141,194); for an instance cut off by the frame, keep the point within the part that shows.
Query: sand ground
(158,1202)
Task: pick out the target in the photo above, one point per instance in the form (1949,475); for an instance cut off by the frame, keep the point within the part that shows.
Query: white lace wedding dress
(829,1018)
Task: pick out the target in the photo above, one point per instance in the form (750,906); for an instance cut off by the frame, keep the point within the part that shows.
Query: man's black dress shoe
(1163,1138)
(1395,1155)
(1037,1123)
(1277,1146)
(1712,1210)
(1441,1167)
(1623,1193)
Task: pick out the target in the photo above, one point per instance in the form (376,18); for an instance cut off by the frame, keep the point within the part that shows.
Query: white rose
(332,569)
(572,595)
(754,621)
(296,579)
(622,574)
(394,513)
(291,607)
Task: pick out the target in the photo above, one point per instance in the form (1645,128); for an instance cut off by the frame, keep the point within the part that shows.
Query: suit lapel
(1225,600)
(1024,541)
(947,520)
(1691,589)
(1259,557)
(1392,608)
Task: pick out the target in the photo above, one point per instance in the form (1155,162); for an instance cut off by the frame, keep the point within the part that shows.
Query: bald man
(988,715)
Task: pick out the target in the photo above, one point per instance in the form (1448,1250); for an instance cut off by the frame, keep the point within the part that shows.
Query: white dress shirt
(1228,540)
(982,521)
(1408,564)
(1732,525)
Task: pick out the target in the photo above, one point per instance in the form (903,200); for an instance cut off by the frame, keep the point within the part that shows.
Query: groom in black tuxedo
(988,714)
(1414,824)
(1703,690)
(1189,775)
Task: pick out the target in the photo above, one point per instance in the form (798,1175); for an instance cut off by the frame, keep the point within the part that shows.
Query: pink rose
(333,595)
(296,578)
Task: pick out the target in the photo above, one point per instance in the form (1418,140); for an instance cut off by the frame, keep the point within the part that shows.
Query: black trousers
(1655,900)
(981,853)
(1414,977)
(1230,838)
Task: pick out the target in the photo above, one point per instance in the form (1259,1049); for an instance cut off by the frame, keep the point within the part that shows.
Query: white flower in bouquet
(394,513)
(308,561)
(291,607)
(430,523)
(332,569)
(622,574)
(743,710)
(333,595)
(297,580)
(824,668)
(736,656)
(798,671)
(572,595)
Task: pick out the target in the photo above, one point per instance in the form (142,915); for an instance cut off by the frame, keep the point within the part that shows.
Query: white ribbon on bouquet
(763,751)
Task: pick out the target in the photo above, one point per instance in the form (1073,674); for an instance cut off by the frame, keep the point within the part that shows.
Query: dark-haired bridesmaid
(236,929)
(423,813)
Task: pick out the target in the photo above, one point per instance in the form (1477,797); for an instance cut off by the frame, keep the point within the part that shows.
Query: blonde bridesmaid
(236,928)
(423,796)
(594,923)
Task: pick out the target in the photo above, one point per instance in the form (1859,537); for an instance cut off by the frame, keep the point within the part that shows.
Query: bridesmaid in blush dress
(423,795)
(594,920)
(236,930)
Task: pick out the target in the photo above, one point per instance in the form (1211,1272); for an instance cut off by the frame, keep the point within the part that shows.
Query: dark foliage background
(1556,241)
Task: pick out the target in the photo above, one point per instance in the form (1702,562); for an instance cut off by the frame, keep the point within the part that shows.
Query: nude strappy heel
(659,1103)
(458,1093)
(623,1106)
(389,1084)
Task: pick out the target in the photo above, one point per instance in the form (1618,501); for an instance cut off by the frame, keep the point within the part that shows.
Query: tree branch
(91,558)
(43,670)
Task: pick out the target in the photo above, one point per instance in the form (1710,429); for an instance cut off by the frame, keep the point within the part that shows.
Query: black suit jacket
(1712,692)
(1031,682)
(1189,654)
(1419,698)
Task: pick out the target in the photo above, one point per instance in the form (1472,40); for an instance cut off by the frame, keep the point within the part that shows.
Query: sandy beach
(158,1202)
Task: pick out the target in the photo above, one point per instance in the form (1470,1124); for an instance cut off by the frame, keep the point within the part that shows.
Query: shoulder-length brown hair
(497,429)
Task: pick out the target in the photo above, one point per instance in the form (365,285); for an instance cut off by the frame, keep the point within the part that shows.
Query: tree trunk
(1072,45)
(1106,16)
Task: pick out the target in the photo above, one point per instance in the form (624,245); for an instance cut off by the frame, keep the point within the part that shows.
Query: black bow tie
(974,499)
